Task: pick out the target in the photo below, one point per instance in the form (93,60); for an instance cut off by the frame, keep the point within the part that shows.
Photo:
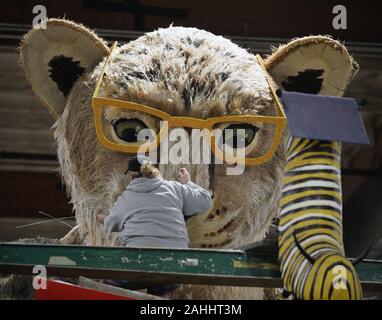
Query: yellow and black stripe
(311,254)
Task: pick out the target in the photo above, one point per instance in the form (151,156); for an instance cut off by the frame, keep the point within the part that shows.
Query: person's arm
(116,219)
(195,198)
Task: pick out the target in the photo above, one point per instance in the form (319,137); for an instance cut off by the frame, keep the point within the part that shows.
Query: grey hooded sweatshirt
(150,212)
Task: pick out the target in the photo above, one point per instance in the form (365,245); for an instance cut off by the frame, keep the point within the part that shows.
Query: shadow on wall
(363,219)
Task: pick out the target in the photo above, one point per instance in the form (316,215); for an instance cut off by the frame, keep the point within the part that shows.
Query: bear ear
(55,57)
(315,64)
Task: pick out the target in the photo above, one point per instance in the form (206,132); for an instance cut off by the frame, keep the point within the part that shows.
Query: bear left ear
(54,58)
(315,64)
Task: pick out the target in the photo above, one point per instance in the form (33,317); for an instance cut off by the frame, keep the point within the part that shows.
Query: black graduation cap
(328,118)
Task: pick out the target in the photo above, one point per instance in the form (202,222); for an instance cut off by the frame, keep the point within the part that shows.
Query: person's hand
(184,176)
(101,217)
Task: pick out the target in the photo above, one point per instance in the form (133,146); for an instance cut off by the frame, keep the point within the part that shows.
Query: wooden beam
(214,267)
(256,267)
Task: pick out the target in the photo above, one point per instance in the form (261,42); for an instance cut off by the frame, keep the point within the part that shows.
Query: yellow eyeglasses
(260,134)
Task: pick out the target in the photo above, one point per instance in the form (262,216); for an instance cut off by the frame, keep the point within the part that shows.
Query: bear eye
(128,129)
(241,134)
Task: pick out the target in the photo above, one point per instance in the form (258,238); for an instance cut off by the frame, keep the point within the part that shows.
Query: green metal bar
(255,267)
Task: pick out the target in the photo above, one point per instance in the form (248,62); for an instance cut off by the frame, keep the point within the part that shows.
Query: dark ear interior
(64,71)
(315,65)
(306,81)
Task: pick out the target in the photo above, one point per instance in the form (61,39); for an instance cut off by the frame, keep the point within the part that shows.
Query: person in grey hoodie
(151,211)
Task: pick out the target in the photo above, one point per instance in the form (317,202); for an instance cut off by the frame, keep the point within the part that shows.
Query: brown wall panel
(23,194)
(273,18)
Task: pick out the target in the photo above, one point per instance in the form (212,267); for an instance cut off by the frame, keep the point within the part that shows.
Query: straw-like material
(61,38)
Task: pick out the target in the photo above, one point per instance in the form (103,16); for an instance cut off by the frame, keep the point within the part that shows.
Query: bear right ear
(55,57)
(313,64)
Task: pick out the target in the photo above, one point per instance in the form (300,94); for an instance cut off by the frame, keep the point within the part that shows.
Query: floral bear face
(182,72)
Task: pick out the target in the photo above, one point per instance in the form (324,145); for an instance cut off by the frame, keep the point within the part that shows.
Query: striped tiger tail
(311,253)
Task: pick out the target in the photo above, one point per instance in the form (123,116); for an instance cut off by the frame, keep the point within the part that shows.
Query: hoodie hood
(144,184)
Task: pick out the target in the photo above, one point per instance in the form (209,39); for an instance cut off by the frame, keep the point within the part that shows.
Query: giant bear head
(184,72)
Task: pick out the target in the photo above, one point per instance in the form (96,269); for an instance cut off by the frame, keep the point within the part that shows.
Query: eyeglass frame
(182,121)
